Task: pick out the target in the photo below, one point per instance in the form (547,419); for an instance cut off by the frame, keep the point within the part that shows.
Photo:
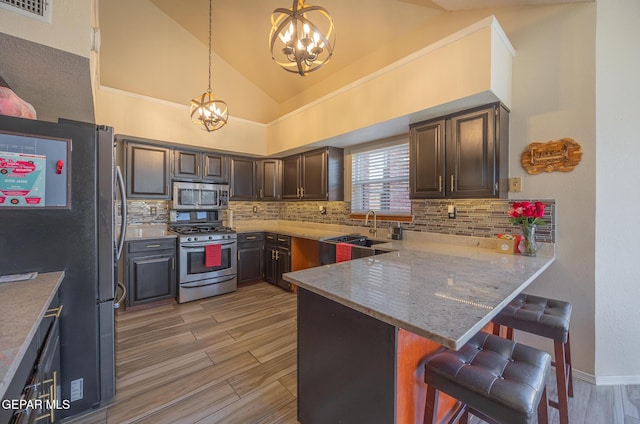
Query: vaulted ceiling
(370,35)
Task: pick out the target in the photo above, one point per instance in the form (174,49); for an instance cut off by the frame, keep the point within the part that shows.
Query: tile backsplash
(474,217)
(146,212)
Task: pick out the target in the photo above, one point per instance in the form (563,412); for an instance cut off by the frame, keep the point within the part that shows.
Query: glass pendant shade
(302,38)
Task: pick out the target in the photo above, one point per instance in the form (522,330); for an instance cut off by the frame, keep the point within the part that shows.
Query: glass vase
(528,246)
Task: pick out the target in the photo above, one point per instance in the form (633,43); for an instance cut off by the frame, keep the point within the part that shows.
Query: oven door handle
(200,284)
(199,245)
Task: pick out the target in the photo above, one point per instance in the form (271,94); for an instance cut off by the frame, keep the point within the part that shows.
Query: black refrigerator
(72,227)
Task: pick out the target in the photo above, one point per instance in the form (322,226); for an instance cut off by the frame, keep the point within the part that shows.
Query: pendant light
(302,38)
(206,111)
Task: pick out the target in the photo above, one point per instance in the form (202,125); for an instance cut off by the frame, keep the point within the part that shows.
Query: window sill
(381,217)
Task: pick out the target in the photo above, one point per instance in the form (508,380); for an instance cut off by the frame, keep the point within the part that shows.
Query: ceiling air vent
(37,9)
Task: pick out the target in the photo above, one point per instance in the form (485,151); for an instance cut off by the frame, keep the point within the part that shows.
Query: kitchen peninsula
(365,326)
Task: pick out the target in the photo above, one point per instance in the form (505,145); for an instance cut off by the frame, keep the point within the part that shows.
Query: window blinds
(380,180)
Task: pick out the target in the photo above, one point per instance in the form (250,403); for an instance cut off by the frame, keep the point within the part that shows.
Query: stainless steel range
(207,253)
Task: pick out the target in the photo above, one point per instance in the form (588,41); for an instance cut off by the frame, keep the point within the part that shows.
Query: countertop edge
(10,372)
(487,318)
(433,336)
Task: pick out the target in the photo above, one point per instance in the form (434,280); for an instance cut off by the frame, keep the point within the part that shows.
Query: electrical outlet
(451,211)
(515,184)
(255,209)
(153,211)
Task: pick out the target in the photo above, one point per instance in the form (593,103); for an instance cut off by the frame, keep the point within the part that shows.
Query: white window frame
(368,147)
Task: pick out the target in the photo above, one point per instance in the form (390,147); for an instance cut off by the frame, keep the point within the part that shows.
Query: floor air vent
(38,9)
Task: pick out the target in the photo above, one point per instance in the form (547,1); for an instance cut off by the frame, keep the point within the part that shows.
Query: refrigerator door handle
(123,211)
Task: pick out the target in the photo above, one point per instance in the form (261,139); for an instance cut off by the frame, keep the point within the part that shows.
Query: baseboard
(606,380)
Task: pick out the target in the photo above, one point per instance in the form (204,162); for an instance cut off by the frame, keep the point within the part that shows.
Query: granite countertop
(301,231)
(443,292)
(22,307)
(148,231)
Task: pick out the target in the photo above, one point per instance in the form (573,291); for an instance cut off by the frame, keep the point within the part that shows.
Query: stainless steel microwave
(200,196)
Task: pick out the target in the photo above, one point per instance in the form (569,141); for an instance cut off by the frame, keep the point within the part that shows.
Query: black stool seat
(495,377)
(537,315)
(547,318)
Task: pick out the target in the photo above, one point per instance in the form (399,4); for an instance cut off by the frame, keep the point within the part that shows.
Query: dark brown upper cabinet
(199,166)
(242,178)
(464,155)
(314,175)
(148,171)
(269,179)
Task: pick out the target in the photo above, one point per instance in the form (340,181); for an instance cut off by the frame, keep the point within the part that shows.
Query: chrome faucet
(373,230)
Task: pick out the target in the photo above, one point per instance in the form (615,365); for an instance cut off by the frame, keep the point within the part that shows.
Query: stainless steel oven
(196,280)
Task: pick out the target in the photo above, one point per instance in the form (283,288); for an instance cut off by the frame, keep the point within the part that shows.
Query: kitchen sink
(362,247)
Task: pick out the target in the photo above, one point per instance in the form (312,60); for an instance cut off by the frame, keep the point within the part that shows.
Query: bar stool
(495,379)
(547,318)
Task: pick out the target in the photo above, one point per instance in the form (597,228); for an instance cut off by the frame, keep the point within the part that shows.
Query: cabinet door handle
(452,179)
(238,256)
(298,192)
(261,194)
(302,192)
(440,183)
(151,246)
(251,237)
(173,263)
(277,255)
(231,192)
(273,254)
(281,239)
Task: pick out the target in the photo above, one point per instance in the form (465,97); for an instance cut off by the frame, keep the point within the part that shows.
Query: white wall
(618,199)
(70,28)
(146,117)
(554,97)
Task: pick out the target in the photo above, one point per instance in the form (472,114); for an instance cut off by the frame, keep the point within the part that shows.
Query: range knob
(189,239)
(195,239)
(210,237)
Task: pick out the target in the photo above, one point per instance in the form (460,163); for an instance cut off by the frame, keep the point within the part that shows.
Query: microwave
(200,196)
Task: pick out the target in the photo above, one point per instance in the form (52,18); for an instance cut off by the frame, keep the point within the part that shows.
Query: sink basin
(362,247)
(356,240)
(363,241)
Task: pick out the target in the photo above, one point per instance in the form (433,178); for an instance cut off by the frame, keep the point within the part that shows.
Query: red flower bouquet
(527,215)
(527,212)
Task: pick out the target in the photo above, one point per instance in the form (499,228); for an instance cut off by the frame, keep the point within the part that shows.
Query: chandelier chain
(210,19)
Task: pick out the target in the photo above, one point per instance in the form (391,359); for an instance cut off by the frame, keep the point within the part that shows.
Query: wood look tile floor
(232,359)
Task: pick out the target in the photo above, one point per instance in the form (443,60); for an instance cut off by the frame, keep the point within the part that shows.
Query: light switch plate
(515,184)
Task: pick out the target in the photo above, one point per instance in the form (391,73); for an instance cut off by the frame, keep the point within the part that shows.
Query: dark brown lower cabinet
(151,271)
(250,257)
(277,258)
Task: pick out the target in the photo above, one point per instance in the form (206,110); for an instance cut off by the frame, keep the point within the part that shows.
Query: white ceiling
(370,34)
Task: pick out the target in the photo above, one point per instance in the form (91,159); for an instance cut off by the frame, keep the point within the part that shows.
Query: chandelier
(206,111)
(298,44)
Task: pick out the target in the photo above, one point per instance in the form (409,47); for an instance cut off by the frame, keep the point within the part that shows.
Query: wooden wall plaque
(561,155)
